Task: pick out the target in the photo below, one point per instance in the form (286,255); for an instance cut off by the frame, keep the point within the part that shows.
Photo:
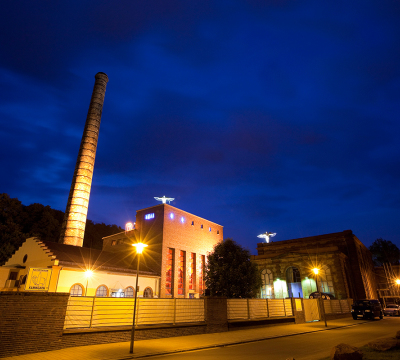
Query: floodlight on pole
(88,274)
(316,272)
(139,249)
(397,281)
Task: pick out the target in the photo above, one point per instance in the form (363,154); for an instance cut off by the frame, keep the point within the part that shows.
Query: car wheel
(311,297)
(381,316)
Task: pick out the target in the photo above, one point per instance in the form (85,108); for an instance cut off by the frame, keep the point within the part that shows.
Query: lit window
(181,273)
(148,293)
(209,229)
(171,216)
(169,272)
(182,219)
(76,290)
(202,261)
(101,291)
(113,242)
(192,272)
(129,292)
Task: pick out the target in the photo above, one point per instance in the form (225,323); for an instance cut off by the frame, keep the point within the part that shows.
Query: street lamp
(139,249)
(88,274)
(316,272)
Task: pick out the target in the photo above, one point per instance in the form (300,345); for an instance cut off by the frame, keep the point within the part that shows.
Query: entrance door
(311,310)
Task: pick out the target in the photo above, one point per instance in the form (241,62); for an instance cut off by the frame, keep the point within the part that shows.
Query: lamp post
(88,274)
(316,272)
(139,249)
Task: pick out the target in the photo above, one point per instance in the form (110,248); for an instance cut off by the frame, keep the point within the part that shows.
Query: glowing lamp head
(397,281)
(139,247)
(315,271)
(88,273)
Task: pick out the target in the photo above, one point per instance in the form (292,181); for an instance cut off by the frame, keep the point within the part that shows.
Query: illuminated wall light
(149,216)
(182,219)
(171,216)
(128,226)
(209,229)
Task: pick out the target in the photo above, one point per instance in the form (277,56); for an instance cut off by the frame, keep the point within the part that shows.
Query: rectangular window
(201,274)
(192,272)
(169,272)
(181,273)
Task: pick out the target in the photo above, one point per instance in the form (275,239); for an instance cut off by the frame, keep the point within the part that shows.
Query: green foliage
(384,251)
(231,273)
(19,222)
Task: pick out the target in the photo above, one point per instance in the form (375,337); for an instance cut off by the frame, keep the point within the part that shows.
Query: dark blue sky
(269,115)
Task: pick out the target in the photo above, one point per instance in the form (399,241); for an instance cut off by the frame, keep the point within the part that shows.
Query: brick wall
(31,322)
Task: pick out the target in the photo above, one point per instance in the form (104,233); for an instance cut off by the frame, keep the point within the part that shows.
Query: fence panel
(189,310)
(345,306)
(155,311)
(288,307)
(79,311)
(258,308)
(327,306)
(276,307)
(335,304)
(237,309)
(112,311)
(85,312)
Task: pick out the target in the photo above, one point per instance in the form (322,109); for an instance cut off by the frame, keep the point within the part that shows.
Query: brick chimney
(73,227)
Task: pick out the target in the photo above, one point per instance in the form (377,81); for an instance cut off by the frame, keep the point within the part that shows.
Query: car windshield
(361,303)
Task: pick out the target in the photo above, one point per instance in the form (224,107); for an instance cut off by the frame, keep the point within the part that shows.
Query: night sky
(259,115)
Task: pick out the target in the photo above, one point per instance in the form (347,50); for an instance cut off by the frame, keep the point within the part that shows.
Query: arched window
(325,282)
(129,292)
(148,293)
(293,282)
(267,282)
(102,291)
(76,290)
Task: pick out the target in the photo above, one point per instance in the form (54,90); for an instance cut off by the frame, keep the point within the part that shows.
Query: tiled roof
(93,259)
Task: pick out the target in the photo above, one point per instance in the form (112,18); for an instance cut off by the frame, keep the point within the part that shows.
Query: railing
(90,312)
(241,309)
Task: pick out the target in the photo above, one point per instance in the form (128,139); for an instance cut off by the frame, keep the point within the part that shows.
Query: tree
(19,222)
(384,251)
(230,272)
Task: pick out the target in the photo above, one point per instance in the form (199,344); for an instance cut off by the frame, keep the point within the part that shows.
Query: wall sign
(149,216)
(38,279)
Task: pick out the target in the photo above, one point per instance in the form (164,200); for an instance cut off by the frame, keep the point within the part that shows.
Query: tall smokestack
(73,227)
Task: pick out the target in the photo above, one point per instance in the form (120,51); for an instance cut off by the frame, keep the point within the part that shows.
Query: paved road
(313,346)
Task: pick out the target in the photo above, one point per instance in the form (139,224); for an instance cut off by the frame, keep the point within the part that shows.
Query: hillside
(18,222)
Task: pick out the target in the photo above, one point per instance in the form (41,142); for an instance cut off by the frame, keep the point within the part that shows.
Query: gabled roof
(93,259)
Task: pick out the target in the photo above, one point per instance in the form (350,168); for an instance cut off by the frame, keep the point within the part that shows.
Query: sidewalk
(146,348)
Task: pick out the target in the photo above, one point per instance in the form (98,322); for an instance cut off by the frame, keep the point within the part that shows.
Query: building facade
(178,244)
(172,264)
(345,264)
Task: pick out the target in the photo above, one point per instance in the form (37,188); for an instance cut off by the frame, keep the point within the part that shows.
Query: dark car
(391,309)
(325,296)
(366,309)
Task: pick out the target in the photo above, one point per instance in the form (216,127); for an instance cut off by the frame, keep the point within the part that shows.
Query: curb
(232,343)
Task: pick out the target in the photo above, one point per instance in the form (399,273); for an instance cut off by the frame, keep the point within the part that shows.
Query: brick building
(172,265)
(346,267)
(178,243)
